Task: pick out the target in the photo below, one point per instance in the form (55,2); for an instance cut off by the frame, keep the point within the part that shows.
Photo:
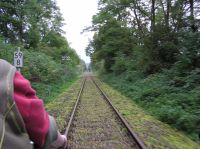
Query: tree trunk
(192,22)
(153,16)
(136,16)
(168,11)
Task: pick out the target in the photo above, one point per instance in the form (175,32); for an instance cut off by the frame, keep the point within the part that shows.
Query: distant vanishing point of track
(96,124)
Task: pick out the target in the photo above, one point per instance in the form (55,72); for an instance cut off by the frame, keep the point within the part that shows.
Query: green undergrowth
(62,105)
(48,92)
(154,133)
(172,98)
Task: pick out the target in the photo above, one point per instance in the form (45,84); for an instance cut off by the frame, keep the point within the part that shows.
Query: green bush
(39,67)
(46,74)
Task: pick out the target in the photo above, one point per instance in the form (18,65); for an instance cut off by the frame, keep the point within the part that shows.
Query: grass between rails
(95,125)
(154,133)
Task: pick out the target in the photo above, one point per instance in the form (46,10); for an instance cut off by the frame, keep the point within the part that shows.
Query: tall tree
(28,22)
(153,16)
(192,20)
(166,11)
(155,25)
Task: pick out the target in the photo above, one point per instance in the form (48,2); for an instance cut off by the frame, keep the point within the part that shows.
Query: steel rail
(75,108)
(132,133)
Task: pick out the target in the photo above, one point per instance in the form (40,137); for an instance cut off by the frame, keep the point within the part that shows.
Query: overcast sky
(78,15)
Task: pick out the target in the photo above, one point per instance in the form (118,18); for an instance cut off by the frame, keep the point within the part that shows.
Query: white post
(18,59)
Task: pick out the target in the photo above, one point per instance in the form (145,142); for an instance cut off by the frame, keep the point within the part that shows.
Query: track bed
(96,125)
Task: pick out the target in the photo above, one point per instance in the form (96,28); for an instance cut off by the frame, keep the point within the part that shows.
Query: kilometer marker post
(18,59)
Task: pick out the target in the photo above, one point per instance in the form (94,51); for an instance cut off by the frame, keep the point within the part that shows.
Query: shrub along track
(94,124)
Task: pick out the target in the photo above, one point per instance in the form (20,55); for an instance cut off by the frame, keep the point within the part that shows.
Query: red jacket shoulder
(31,108)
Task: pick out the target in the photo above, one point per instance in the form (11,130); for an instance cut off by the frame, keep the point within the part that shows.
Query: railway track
(95,123)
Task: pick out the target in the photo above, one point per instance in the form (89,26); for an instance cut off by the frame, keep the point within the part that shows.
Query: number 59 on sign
(18,59)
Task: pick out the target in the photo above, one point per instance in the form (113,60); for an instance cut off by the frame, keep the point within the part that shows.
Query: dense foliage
(152,49)
(36,27)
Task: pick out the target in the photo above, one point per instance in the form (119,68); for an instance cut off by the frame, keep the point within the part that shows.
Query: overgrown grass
(152,132)
(63,103)
(173,99)
(49,92)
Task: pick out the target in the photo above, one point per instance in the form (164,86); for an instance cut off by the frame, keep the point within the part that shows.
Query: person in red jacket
(40,126)
(36,119)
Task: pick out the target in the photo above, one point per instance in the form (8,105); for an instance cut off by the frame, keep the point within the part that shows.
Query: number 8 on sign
(18,59)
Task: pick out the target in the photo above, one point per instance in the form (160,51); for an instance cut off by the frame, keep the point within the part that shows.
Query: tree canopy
(157,27)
